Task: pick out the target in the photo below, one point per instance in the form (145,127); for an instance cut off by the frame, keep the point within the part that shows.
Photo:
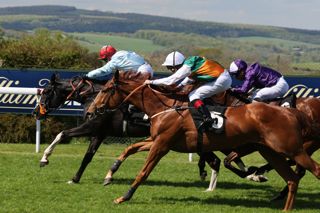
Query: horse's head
(116,91)
(52,96)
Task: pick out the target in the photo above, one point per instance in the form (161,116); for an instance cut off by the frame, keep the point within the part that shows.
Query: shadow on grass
(304,200)
(248,202)
(200,184)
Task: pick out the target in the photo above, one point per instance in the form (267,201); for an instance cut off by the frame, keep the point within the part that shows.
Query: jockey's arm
(181,73)
(102,71)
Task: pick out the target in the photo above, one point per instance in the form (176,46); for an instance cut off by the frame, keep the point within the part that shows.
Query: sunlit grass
(173,186)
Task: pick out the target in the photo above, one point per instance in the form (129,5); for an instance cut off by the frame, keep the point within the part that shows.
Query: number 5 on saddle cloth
(217,114)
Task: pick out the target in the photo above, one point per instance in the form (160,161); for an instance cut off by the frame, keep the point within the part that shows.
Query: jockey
(119,60)
(271,83)
(213,79)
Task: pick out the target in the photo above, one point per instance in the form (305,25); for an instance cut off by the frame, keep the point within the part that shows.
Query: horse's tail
(310,128)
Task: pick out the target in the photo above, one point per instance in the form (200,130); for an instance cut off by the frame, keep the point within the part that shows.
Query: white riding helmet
(173,59)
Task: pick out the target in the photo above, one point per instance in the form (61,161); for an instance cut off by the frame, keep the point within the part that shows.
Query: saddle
(217,114)
(288,101)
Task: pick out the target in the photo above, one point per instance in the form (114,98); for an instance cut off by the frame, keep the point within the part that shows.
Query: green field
(282,43)
(174,185)
(94,41)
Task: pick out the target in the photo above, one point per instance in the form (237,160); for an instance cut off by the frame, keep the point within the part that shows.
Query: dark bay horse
(172,128)
(114,123)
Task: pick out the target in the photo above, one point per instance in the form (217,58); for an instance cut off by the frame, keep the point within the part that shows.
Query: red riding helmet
(107,52)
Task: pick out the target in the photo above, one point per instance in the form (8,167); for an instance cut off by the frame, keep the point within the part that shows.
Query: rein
(172,108)
(75,88)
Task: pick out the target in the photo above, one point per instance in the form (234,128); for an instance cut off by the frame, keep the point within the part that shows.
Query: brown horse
(310,106)
(172,128)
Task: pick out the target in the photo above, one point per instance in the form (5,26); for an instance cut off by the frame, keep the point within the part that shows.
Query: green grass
(287,44)
(173,186)
(94,41)
(307,66)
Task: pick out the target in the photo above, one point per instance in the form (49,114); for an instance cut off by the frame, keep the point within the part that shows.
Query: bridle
(75,90)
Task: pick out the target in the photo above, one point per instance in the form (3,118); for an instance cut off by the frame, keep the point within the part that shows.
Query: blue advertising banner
(18,103)
(24,104)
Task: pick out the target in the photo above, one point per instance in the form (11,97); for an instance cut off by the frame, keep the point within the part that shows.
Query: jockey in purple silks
(270,83)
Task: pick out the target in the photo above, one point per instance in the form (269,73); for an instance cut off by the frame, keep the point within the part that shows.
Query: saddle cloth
(217,114)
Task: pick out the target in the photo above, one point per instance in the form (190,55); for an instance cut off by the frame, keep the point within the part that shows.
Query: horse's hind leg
(92,149)
(304,160)
(279,163)
(130,150)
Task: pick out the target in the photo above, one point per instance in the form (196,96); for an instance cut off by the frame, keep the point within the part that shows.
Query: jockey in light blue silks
(120,60)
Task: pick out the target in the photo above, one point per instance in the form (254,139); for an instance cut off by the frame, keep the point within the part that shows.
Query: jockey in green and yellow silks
(212,76)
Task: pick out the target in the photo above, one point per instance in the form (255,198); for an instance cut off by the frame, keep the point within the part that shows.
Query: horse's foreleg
(130,150)
(201,166)
(154,156)
(92,149)
(214,163)
(83,130)
(48,151)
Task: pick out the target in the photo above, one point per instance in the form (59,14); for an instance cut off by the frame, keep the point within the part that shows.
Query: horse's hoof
(209,190)
(257,178)
(119,200)
(72,182)
(279,197)
(107,181)
(203,176)
(43,163)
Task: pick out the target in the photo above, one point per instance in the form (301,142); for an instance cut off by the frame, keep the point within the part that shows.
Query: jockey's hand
(85,77)
(147,82)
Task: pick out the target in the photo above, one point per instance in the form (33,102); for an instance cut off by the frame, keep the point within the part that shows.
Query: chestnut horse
(173,128)
(118,123)
(310,106)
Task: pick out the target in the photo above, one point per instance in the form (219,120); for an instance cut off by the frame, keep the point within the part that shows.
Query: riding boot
(207,119)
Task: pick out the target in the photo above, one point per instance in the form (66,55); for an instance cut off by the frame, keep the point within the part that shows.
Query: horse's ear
(116,75)
(54,77)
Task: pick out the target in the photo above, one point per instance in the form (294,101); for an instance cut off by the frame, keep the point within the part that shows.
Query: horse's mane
(168,91)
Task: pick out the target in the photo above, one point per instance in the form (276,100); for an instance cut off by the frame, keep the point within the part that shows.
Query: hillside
(71,19)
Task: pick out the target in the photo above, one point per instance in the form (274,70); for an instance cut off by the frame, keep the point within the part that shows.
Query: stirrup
(206,124)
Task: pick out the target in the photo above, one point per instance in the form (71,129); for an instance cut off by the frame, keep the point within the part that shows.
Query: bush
(22,128)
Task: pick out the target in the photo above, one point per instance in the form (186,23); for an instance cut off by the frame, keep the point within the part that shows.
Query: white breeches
(221,84)
(278,90)
(146,68)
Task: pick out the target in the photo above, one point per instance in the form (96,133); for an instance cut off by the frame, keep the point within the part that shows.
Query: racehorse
(117,123)
(114,123)
(310,106)
(172,128)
